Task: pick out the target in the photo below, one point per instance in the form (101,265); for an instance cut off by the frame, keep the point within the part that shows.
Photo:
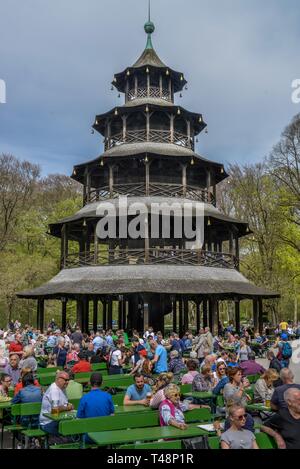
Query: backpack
(287,351)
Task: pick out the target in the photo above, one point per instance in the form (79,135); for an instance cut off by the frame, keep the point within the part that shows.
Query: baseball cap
(284,336)
(143,353)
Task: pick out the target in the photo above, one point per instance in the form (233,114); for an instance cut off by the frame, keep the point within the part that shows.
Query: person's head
(163,380)
(76,348)
(270,376)
(62,379)
(82,356)
(28,351)
(5,381)
(27,379)
(90,347)
(206,371)
(286,376)
(139,381)
(221,369)
(251,356)
(18,338)
(234,374)
(61,342)
(14,360)
(172,392)
(270,355)
(96,380)
(292,399)
(206,329)
(201,330)
(135,341)
(191,365)
(242,343)
(224,355)
(153,344)
(284,337)
(237,416)
(174,354)
(143,353)
(193,355)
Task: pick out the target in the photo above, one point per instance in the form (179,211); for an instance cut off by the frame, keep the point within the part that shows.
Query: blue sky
(58,58)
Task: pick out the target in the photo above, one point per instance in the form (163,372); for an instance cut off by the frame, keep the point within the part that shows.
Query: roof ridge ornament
(149,28)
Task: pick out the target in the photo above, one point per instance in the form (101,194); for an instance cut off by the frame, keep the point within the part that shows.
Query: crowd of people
(159,365)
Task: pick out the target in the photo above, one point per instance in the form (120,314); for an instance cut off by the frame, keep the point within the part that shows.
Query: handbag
(200,442)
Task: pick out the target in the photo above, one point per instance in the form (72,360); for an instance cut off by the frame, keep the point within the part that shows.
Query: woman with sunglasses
(221,377)
(236,437)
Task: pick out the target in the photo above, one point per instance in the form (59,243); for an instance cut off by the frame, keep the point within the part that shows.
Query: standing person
(202,347)
(237,436)
(95,403)
(116,361)
(159,361)
(285,351)
(243,351)
(98,341)
(55,396)
(77,337)
(60,352)
(283,326)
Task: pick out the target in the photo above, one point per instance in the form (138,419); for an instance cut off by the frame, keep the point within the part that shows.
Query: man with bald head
(284,426)
(287,378)
(55,396)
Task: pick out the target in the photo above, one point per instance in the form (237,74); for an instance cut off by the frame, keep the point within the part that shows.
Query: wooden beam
(41,314)
(174,310)
(64,315)
(237,317)
(198,322)
(205,321)
(110,311)
(95,314)
(260,316)
(186,315)
(255,314)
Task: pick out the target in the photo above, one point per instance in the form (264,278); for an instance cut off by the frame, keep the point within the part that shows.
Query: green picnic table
(199,394)
(71,414)
(5,405)
(259,407)
(118,437)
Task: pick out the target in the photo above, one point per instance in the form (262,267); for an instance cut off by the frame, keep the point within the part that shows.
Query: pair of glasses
(65,379)
(242,417)
(222,369)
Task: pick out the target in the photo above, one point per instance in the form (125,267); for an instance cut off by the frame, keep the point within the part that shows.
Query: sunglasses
(65,379)
(241,417)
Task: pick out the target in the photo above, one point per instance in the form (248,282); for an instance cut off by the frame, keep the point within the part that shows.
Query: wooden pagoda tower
(149,156)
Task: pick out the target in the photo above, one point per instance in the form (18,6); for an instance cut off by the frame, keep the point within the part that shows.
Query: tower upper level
(149,77)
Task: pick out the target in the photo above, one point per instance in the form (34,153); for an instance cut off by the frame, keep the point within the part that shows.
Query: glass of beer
(268,402)
(55,408)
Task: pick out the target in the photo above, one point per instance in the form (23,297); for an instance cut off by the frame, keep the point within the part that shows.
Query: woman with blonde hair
(158,395)
(264,386)
(28,359)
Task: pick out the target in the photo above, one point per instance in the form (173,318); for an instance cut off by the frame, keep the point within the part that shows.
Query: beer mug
(55,407)
(268,402)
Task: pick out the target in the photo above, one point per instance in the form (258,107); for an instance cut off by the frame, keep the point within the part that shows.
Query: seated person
(235,391)
(74,390)
(95,403)
(237,436)
(264,386)
(171,409)
(250,367)
(204,381)
(158,395)
(19,385)
(192,366)
(287,378)
(28,394)
(83,366)
(284,426)
(55,397)
(137,393)
(222,378)
(176,364)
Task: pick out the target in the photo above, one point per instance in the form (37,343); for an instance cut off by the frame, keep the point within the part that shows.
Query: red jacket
(82,367)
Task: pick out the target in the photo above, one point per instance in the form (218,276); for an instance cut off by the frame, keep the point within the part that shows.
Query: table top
(199,394)
(116,437)
(257,406)
(72,414)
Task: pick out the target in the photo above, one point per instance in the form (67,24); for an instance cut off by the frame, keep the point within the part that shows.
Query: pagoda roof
(90,211)
(181,279)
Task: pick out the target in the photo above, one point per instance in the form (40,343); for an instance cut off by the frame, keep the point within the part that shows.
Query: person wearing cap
(176,364)
(137,347)
(143,365)
(284,350)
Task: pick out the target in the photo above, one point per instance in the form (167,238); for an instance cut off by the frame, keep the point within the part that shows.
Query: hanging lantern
(116,112)
(192,161)
(200,119)
(101,163)
(167,72)
(119,96)
(178,111)
(128,73)
(147,70)
(146,159)
(147,108)
(112,88)
(180,96)
(84,222)
(222,170)
(206,131)
(208,222)
(186,88)
(181,78)
(92,131)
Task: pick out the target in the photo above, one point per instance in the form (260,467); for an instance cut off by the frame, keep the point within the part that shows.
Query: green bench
(119,422)
(174,444)
(25,410)
(253,378)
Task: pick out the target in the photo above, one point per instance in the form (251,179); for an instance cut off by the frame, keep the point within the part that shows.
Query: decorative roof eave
(196,118)
(156,150)
(210,281)
(177,78)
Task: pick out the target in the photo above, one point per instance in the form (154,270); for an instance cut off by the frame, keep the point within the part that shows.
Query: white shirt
(115,356)
(53,393)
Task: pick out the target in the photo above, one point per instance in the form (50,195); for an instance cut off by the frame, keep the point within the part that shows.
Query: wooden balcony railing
(153,256)
(151,92)
(155,189)
(156,136)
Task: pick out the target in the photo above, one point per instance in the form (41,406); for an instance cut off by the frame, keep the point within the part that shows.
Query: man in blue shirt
(136,394)
(159,361)
(95,403)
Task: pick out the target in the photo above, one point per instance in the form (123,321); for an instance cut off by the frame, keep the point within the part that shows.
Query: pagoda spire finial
(149,28)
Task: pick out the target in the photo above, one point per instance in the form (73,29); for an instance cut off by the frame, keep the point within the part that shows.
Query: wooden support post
(260,316)
(120,315)
(111,180)
(231,243)
(146,239)
(37,313)
(237,317)
(95,314)
(147,126)
(41,314)
(174,310)
(110,311)
(208,185)
(95,246)
(197,316)
(104,315)
(180,317)
(85,319)
(184,180)
(146,313)
(188,125)
(147,178)
(124,119)
(135,85)
(255,314)
(88,186)
(148,85)
(172,117)
(205,321)
(186,316)
(64,314)
(79,315)
(237,251)
(160,86)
